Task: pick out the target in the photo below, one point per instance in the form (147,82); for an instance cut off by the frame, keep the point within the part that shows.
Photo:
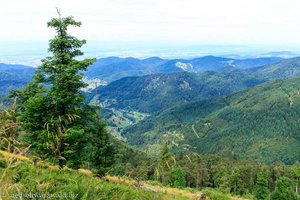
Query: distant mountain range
(152,93)
(114,68)
(281,54)
(259,124)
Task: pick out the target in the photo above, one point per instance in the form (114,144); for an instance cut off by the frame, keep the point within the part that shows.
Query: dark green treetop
(261,190)
(61,70)
(283,190)
(59,124)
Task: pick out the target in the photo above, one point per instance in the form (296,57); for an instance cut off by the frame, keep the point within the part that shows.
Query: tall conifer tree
(59,125)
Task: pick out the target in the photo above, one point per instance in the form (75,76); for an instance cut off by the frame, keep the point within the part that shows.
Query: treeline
(229,176)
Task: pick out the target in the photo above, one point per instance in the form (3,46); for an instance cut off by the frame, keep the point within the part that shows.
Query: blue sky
(154,27)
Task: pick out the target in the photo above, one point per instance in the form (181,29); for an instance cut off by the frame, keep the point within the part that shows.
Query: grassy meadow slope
(22,178)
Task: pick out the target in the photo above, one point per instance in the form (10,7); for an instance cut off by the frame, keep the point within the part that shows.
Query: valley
(150,100)
(192,109)
(180,128)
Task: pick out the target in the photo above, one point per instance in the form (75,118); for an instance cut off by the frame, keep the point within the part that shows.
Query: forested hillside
(159,91)
(284,69)
(155,92)
(260,124)
(14,77)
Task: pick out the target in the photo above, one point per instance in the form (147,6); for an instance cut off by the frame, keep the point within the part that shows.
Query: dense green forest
(159,91)
(287,68)
(156,92)
(260,124)
(48,134)
(126,101)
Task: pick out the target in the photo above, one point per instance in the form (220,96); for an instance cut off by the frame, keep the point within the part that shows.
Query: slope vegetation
(259,124)
(152,93)
(20,179)
(155,92)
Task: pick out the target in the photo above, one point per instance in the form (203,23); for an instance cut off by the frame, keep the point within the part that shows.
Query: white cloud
(180,21)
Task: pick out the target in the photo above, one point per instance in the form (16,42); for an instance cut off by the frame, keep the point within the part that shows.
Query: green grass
(22,178)
(216,195)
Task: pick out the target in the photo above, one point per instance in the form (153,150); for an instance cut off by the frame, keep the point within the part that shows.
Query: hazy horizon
(200,22)
(30,53)
(145,28)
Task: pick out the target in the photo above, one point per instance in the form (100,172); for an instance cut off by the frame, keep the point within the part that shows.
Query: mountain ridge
(258,124)
(151,93)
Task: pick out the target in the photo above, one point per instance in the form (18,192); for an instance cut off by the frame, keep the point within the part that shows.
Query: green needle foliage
(296,176)
(59,125)
(261,190)
(9,129)
(178,177)
(283,190)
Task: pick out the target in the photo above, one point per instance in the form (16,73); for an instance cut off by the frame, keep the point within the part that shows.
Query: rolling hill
(113,68)
(155,92)
(152,93)
(14,77)
(259,124)
(284,69)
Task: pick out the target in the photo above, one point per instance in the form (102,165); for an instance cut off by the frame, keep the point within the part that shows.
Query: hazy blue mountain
(21,70)
(281,54)
(14,77)
(255,62)
(114,68)
(284,69)
(5,102)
